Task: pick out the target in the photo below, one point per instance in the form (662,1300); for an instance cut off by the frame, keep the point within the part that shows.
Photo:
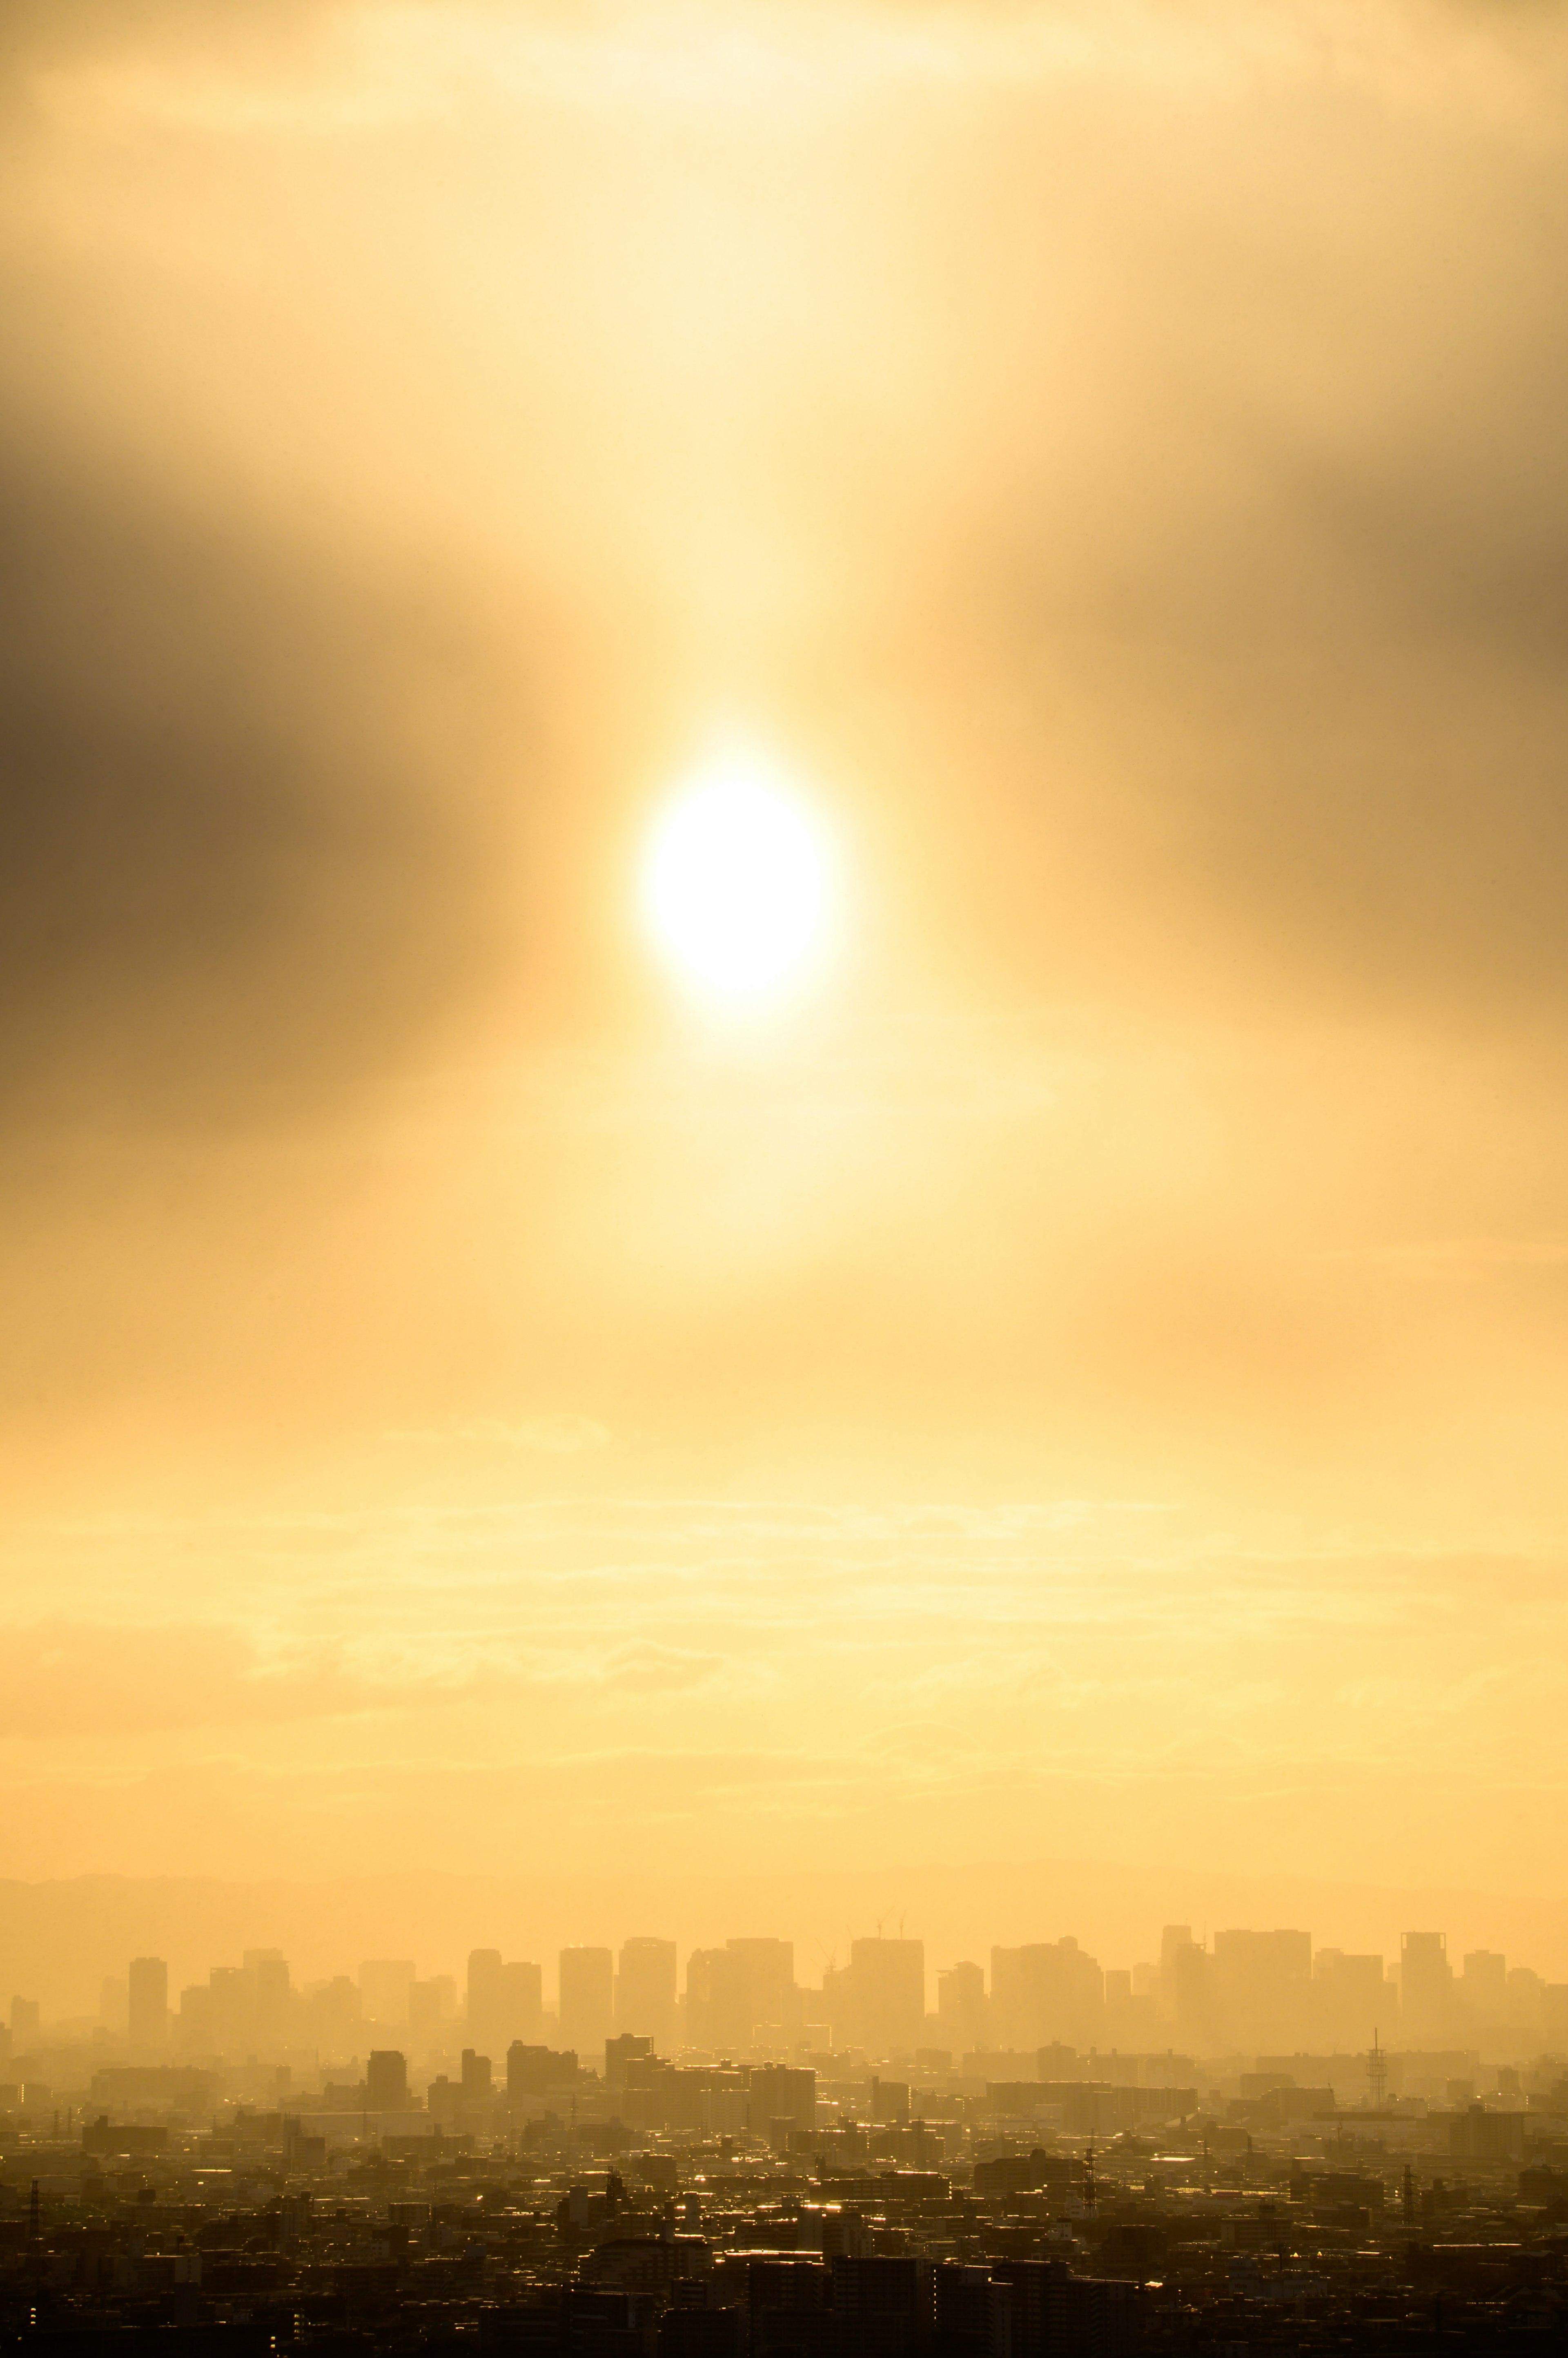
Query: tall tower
(646,1991)
(587,1998)
(148,1992)
(486,2001)
(1426,1989)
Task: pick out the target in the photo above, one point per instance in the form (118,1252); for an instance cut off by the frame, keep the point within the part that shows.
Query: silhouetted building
(1048,1991)
(1186,1984)
(387,2081)
(961,2008)
(146,2006)
(1053,2309)
(586,1998)
(626,2048)
(882,2305)
(522,2001)
(431,2004)
(777,2092)
(537,2071)
(717,2001)
(1426,1989)
(1261,1982)
(267,1996)
(773,1998)
(385,1987)
(1352,1999)
(1484,1986)
(484,2004)
(877,2000)
(645,1990)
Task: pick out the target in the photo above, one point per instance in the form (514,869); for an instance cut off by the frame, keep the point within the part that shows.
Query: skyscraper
(522,2002)
(1261,1986)
(271,1994)
(1045,1991)
(384,1985)
(485,2009)
(961,2008)
(147,1994)
(1426,1989)
(587,1998)
(645,1990)
(717,2001)
(431,2004)
(1484,1986)
(770,1965)
(877,2000)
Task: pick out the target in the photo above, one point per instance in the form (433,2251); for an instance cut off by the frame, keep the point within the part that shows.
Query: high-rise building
(1185,1984)
(776,2001)
(522,2002)
(195,2027)
(25,2017)
(1426,1990)
(626,2046)
(384,1985)
(234,2014)
(476,2077)
(587,1998)
(877,2000)
(1261,1984)
(1351,2000)
(1483,1986)
(961,2010)
(387,2081)
(531,2071)
(332,2017)
(718,2002)
(431,2005)
(485,2010)
(645,1990)
(1045,1993)
(146,2009)
(271,1995)
(775,2093)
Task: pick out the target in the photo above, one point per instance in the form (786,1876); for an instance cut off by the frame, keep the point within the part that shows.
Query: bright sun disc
(735,881)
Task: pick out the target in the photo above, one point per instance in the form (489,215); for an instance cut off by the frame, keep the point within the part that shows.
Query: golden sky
(1084,1371)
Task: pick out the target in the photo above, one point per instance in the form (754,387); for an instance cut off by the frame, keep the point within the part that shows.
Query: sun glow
(736,880)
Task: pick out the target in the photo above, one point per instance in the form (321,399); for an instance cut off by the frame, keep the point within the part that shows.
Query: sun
(735,885)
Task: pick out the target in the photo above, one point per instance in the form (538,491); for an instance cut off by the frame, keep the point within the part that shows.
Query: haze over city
(782,1081)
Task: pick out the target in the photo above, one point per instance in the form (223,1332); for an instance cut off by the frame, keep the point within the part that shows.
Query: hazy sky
(1086,1372)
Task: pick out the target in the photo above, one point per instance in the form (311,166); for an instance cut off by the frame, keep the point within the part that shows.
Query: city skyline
(1244,1989)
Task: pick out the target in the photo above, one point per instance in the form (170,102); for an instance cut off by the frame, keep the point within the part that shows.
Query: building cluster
(1264,1991)
(656,2209)
(742,2165)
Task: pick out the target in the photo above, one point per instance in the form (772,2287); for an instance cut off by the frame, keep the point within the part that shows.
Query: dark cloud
(250,820)
(1285,631)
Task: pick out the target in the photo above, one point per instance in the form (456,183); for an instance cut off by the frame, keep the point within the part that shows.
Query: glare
(736,880)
